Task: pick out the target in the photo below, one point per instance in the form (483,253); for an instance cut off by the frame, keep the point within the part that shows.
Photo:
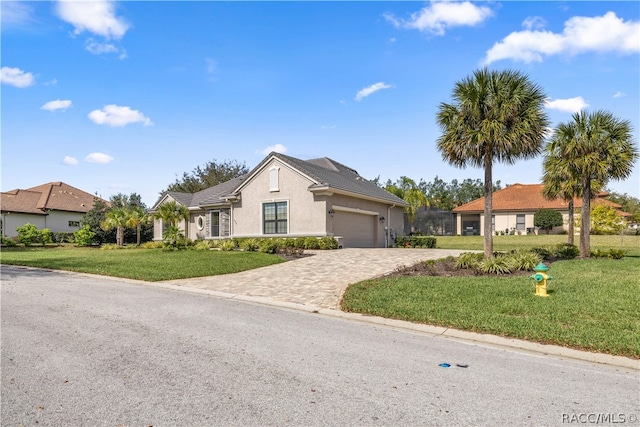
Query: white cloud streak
(442,15)
(619,94)
(97,17)
(363,93)
(98,158)
(278,148)
(118,116)
(57,105)
(16,77)
(15,13)
(71,161)
(606,33)
(569,105)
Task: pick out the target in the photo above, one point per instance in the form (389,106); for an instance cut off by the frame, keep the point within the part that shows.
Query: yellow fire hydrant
(541,277)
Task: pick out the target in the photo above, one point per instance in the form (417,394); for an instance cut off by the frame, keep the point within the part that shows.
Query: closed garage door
(357,230)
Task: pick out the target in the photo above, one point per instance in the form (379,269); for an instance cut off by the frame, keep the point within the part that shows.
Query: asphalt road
(80,351)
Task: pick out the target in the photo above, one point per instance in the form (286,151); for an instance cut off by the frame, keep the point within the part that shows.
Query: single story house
(54,205)
(514,207)
(288,197)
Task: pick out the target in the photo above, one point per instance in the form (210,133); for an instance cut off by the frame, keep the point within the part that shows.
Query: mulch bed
(443,267)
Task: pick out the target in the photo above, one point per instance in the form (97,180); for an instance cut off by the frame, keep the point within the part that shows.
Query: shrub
(84,236)
(544,251)
(311,243)
(227,245)
(63,237)
(300,243)
(201,245)
(469,260)
(328,242)
(250,245)
(9,242)
(268,246)
(496,265)
(152,245)
(616,253)
(110,247)
(525,260)
(566,251)
(46,236)
(546,219)
(416,242)
(29,234)
(599,253)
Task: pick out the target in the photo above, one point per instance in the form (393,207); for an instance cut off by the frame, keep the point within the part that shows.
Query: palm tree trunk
(585,225)
(571,220)
(138,233)
(488,202)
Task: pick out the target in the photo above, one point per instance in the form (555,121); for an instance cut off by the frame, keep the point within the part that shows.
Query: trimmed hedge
(416,242)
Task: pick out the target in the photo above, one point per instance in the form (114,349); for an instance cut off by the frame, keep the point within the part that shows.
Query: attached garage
(358,230)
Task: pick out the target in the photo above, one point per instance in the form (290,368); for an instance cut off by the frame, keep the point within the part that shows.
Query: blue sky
(124,97)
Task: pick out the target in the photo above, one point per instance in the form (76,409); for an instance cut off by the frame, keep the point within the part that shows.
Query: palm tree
(495,116)
(116,218)
(596,147)
(407,189)
(171,213)
(137,218)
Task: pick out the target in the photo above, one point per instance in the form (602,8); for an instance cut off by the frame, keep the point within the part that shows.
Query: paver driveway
(318,280)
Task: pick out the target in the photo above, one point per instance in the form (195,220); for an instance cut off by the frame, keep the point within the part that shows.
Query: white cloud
(16,77)
(441,15)
(619,94)
(570,105)
(15,12)
(606,33)
(278,148)
(57,105)
(363,93)
(534,22)
(97,17)
(118,116)
(68,160)
(98,158)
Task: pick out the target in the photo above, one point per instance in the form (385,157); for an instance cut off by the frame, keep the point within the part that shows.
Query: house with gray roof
(288,197)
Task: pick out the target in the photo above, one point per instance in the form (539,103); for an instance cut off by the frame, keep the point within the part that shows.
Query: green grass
(630,244)
(142,264)
(594,304)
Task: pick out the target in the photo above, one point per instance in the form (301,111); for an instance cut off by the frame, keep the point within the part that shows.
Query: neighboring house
(55,205)
(287,197)
(513,208)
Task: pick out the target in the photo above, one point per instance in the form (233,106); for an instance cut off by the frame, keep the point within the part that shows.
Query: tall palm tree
(495,116)
(137,218)
(171,213)
(596,147)
(116,218)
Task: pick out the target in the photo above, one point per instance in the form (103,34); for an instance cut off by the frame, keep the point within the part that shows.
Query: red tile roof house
(513,208)
(288,197)
(55,205)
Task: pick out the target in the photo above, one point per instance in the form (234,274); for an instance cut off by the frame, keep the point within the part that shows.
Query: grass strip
(593,306)
(141,264)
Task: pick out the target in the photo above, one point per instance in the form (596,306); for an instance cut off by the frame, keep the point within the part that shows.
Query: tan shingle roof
(51,196)
(525,197)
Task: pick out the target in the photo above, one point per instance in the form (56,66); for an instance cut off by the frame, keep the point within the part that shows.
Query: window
(520,222)
(215,223)
(274,218)
(274,179)
(200,222)
(74,223)
(493,223)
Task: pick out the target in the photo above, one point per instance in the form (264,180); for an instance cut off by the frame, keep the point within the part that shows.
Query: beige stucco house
(514,207)
(288,197)
(54,205)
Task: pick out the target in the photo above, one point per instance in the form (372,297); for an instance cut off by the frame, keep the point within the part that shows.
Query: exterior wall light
(332,212)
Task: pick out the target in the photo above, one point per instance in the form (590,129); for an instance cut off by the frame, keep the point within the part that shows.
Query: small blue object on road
(444,365)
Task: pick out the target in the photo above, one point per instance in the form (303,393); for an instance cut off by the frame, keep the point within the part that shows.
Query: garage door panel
(357,230)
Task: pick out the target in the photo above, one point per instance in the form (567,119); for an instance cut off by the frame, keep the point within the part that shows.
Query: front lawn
(142,264)
(630,244)
(594,304)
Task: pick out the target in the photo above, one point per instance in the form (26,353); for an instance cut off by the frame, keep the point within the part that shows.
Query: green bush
(63,237)
(300,243)
(9,242)
(328,242)
(110,247)
(46,237)
(268,246)
(415,242)
(524,260)
(469,260)
(496,265)
(566,251)
(227,245)
(152,245)
(311,243)
(250,245)
(29,234)
(616,253)
(84,236)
